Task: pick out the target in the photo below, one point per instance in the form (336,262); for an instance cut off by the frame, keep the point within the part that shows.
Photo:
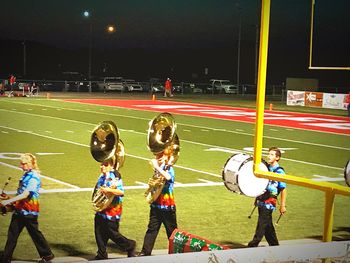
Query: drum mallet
(279,219)
(251,213)
(3,189)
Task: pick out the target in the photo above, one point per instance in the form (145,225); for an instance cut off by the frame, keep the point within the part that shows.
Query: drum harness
(266,195)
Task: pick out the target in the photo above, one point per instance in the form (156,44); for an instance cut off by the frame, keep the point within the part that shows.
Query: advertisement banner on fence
(313,99)
(334,101)
(295,98)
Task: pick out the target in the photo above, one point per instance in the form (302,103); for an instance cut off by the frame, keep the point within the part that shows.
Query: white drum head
(230,171)
(249,184)
(347,173)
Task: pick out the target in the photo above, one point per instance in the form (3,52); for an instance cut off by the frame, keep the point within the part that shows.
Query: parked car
(177,88)
(156,85)
(112,84)
(222,86)
(132,85)
(195,89)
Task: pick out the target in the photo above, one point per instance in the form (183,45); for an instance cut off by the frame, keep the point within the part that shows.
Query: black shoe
(131,251)
(47,259)
(143,254)
(100,258)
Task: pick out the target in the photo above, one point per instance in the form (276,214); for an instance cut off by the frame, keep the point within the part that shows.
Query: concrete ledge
(302,250)
(284,253)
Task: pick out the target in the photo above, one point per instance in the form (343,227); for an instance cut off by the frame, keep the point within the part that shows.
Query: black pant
(156,218)
(106,229)
(264,228)
(18,222)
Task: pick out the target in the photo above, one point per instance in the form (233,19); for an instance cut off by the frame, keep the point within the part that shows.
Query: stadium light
(111,29)
(86,14)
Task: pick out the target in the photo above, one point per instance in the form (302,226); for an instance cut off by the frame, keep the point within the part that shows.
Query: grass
(66,219)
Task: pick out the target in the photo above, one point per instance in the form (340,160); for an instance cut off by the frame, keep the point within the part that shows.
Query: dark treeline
(49,62)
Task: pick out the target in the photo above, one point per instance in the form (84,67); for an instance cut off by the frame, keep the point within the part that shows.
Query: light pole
(257,31)
(110,30)
(87,15)
(239,42)
(24,58)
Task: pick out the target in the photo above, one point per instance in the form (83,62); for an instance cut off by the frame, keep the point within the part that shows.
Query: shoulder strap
(277,169)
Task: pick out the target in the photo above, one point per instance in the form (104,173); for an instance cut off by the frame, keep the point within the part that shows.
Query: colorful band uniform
(107,221)
(266,205)
(26,212)
(162,210)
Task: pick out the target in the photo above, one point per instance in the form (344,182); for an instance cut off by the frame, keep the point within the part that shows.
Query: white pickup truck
(222,86)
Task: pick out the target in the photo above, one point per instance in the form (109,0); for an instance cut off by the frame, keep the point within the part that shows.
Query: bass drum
(238,176)
(347,173)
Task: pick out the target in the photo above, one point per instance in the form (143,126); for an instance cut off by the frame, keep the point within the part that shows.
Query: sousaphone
(105,145)
(161,137)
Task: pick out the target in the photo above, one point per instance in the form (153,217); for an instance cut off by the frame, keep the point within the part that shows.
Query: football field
(58,132)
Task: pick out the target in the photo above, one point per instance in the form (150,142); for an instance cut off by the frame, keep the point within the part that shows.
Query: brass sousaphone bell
(106,145)
(161,136)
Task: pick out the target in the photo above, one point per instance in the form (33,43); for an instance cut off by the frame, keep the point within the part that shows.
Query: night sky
(158,38)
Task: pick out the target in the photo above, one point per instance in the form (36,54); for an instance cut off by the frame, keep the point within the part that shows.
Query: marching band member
(107,221)
(163,209)
(267,203)
(26,211)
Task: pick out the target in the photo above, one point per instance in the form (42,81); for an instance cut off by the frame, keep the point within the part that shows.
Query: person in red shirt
(168,88)
(12,83)
(12,80)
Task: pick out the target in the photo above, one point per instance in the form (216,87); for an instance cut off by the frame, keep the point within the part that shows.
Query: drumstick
(278,219)
(6,183)
(251,213)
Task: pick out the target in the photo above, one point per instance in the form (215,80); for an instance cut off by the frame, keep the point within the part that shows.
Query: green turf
(66,219)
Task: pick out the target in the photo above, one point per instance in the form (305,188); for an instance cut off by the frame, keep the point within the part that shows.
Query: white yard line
(322,178)
(143,158)
(132,187)
(179,124)
(43,176)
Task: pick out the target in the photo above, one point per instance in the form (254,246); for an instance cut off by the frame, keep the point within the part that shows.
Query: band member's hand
(104,190)
(283,209)
(154,163)
(4,196)
(4,203)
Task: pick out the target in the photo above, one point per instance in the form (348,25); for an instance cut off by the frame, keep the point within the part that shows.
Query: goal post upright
(330,189)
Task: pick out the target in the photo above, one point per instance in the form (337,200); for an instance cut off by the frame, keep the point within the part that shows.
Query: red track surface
(315,122)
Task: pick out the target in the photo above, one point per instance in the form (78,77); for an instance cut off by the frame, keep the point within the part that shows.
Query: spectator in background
(2,89)
(12,82)
(33,89)
(168,88)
